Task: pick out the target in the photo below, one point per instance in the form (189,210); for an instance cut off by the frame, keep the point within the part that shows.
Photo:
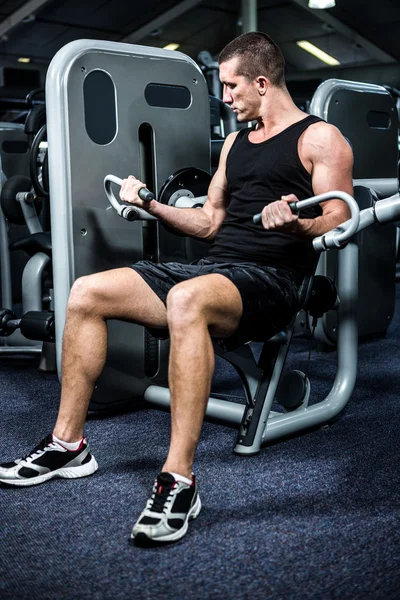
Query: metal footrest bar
(20,349)
(222,411)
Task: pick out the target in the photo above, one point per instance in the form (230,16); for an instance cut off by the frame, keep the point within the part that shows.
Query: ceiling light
(318,53)
(321,3)
(24,59)
(171,47)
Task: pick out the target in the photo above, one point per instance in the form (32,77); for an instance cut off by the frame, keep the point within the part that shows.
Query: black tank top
(258,174)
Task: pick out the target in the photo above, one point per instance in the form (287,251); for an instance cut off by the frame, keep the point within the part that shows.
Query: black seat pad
(236,340)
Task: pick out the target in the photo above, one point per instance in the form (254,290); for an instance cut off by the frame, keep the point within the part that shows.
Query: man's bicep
(333,170)
(217,199)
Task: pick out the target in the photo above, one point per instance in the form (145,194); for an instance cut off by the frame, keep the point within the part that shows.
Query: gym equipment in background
(367,115)
(21,205)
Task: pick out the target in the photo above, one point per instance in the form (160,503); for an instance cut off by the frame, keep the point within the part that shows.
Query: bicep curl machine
(265,382)
(165,124)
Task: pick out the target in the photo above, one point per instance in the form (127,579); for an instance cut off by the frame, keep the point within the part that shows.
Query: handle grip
(145,194)
(338,236)
(130,213)
(292,205)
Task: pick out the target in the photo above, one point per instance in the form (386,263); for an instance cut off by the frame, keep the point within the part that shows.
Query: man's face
(240,93)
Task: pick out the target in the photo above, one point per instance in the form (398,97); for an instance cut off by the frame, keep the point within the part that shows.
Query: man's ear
(262,84)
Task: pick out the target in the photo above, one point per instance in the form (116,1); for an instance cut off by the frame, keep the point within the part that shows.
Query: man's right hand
(129,192)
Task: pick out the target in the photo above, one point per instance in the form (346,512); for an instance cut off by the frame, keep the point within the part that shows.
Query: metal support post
(249,15)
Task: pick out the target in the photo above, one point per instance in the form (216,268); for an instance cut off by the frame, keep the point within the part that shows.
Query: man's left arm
(331,160)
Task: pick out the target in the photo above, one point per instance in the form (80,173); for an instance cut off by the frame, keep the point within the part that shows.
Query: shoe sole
(142,538)
(71,473)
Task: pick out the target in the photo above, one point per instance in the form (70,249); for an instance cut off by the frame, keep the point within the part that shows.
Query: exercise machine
(163,129)
(367,115)
(124,109)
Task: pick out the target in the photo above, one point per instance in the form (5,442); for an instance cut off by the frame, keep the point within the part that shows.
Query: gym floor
(313,517)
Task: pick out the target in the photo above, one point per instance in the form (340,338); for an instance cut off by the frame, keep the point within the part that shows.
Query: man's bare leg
(195,308)
(116,294)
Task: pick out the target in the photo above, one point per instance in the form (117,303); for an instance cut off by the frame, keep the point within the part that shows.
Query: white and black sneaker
(167,513)
(49,459)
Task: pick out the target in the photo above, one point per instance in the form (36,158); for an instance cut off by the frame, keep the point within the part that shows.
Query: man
(250,276)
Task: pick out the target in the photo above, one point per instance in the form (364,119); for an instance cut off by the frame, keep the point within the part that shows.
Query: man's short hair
(258,55)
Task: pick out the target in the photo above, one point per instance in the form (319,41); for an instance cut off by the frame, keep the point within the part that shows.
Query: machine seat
(277,338)
(228,344)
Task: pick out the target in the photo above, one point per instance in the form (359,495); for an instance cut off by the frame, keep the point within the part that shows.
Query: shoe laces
(162,497)
(39,449)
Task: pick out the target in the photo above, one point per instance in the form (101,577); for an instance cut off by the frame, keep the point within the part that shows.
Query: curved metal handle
(130,213)
(336,237)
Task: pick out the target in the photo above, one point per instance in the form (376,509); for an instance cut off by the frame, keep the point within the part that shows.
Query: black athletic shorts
(269,295)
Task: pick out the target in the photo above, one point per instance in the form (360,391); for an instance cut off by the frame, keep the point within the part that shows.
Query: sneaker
(49,459)
(167,513)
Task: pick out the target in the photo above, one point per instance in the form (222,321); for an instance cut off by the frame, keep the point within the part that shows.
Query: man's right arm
(202,223)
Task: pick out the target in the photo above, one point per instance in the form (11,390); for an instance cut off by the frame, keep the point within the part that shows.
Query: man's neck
(277,113)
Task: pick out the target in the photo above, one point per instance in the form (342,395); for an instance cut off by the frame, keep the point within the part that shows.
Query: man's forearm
(191,221)
(311,228)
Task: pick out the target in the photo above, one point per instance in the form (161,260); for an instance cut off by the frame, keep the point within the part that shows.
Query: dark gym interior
(298,458)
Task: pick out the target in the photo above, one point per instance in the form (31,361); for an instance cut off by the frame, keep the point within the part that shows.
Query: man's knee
(184,306)
(84,294)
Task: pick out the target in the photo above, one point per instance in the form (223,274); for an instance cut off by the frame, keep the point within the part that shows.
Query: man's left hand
(278,216)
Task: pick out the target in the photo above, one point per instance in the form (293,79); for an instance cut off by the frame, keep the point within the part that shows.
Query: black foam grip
(292,205)
(145,194)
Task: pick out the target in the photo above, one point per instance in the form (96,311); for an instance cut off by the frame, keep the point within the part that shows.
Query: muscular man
(249,280)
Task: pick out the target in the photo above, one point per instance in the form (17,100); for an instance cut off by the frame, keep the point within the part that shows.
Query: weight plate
(194,182)
(178,194)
